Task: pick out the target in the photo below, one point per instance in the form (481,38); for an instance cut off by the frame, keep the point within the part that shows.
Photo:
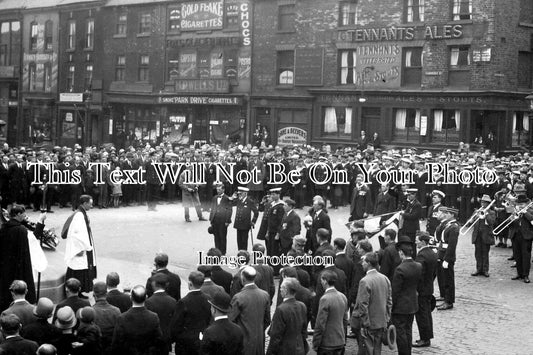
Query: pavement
(491,315)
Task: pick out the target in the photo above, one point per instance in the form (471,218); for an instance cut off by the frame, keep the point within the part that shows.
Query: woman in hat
(66,321)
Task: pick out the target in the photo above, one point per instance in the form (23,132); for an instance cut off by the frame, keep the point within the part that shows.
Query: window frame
(457,7)
(351,55)
(411,68)
(71,74)
(346,16)
(88,78)
(71,35)
(89,34)
(290,14)
(121,27)
(410,6)
(446,118)
(32,76)
(34,35)
(144,68)
(145,23)
(282,68)
(48,35)
(339,112)
(47,77)
(460,50)
(231,22)
(120,68)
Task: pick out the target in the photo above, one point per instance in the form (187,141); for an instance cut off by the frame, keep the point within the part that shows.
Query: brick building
(426,73)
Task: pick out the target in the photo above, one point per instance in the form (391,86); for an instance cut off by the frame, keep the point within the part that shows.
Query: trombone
(513,217)
(475,217)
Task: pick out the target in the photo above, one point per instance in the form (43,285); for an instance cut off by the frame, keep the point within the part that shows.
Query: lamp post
(530,117)
(362,99)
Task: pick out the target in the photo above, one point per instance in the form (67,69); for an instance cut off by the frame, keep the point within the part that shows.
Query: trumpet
(513,217)
(475,217)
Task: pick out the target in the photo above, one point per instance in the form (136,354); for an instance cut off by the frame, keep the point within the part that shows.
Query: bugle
(475,217)
(513,217)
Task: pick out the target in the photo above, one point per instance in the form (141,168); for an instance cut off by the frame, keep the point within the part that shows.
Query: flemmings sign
(201,15)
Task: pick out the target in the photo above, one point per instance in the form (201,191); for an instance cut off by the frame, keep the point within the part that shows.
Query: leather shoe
(422,344)
(514,265)
(477,273)
(439,299)
(526,280)
(202,219)
(517,277)
(445,306)
(510,258)
(486,274)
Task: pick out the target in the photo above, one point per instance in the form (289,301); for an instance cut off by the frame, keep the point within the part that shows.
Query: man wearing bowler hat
(447,234)
(482,236)
(245,216)
(522,234)
(222,337)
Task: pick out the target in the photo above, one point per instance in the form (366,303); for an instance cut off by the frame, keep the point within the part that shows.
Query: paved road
(491,315)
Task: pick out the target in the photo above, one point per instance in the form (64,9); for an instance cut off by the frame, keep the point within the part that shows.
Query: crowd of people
(361,294)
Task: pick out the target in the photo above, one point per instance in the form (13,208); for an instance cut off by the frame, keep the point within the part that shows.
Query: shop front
(431,120)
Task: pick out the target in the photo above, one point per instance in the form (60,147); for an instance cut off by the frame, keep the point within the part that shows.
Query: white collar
(220,317)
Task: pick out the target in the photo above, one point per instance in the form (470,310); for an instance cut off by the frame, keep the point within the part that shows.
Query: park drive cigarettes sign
(292,135)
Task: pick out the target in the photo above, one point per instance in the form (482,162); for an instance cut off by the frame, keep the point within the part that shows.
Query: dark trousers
(220,231)
(404,332)
(522,254)
(371,345)
(446,279)
(153,194)
(273,249)
(424,320)
(482,255)
(198,212)
(242,239)
(338,351)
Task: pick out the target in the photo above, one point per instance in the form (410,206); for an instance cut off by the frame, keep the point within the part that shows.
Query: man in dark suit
(404,296)
(192,316)
(220,276)
(251,311)
(245,216)
(22,308)
(106,316)
(389,258)
(137,330)
(428,259)
(447,235)
(209,288)
(361,204)
(372,310)
(522,236)
(274,224)
(265,273)
(174,283)
(222,337)
(288,332)
(319,219)
(163,305)
(72,290)
(331,321)
(114,297)
(14,343)
(411,216)
(342,261)
(482,236)
(220,218)
(290,226)
(432,221)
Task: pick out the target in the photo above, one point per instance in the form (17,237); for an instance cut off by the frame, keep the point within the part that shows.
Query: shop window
(525,70)
(337,122)
(89,36)
(232,17)
(459,63)
(48,35)
(47,77)
(406,125)
(88,77)
(520,129)
(70,78)
(412,67)
(285,64)
(174,19)
(414,10)
(286,17)
(462,10)
(298,117)
(347,65)
(120,68)
(145,23)
(348,13)
(122,21)
(32,76)
(446,126)
(71,37)
(144,68)
(34,33)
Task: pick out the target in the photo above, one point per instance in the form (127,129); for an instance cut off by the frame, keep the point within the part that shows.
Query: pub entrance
(487,122)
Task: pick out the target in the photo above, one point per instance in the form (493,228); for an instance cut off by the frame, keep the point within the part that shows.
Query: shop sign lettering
(292,135)
(381,34)
(200,100)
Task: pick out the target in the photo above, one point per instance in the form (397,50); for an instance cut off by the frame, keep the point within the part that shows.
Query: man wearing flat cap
(245,216)
(447,234)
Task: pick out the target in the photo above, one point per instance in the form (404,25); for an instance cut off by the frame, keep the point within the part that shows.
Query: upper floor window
(32,76)
(459,56)
(10,48)
(348,63)
(286,17)
(70,78)
(34,33)
(412,66)
(174,19)
(47,79)
(48,35)
(120,68)
(122,20)
(462,10)
(71,37)
(415,10)
(144,69)
(232,16)
(145,23)
(525,70)
(285,64)
(348,13)
(89,37)
(88,77)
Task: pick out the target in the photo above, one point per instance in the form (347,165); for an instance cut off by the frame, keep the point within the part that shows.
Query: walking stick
(252,236)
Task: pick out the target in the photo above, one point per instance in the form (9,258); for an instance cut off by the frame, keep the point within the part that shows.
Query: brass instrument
(475,217)
(513,217)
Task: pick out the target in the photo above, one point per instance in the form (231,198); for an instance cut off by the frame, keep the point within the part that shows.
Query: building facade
(417,72)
